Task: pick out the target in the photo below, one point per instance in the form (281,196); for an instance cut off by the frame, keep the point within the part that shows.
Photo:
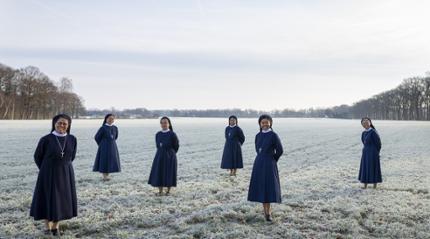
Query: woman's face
(61,125)
(164,124)
(232,121)
(110,119)
(265,124)
(366,124)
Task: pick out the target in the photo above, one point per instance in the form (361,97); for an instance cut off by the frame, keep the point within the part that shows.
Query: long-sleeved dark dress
(107,159)
(164,167)
(370,166)
(232,155)
(265,185)
(54,197)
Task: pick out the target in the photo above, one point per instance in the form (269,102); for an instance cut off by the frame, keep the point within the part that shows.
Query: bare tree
(409,101)
(28,93)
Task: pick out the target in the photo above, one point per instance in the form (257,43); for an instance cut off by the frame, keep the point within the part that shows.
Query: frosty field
(321,195)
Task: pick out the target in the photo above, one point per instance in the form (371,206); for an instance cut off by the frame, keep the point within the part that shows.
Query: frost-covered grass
(321,195)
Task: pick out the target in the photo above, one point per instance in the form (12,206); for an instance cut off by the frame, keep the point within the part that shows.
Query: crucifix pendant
(62,154)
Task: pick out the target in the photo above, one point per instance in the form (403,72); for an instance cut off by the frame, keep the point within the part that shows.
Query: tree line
(409,101)
(28,93)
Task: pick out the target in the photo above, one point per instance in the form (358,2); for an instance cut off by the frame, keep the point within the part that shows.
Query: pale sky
(219,54)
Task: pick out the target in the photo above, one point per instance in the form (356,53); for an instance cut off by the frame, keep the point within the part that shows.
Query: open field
(321,195)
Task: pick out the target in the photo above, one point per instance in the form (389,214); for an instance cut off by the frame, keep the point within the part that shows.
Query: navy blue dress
(232,155)
(107,159)
(164,167)
(265,186)
(54,197)
(370,167)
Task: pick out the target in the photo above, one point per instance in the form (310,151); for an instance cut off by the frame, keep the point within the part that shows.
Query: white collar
(110,125)
(369,129)
(232,126)
(266,131)
(58,134)
(165,131)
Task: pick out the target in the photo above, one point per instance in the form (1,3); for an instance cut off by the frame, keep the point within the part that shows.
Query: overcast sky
(219,54)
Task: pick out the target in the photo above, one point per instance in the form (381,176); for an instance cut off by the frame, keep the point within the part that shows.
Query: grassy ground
(321,195)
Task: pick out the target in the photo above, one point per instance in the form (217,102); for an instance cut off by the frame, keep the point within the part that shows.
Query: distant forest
(28,93)
(409,101)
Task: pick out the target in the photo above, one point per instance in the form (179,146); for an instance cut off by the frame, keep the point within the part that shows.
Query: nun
(265,186)
(370,166)
(234,139)
(107,158)
(54,197)
(164,167)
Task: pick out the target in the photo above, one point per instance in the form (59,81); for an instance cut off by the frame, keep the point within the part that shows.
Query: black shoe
(47,232)
(56,232)
(269,218)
